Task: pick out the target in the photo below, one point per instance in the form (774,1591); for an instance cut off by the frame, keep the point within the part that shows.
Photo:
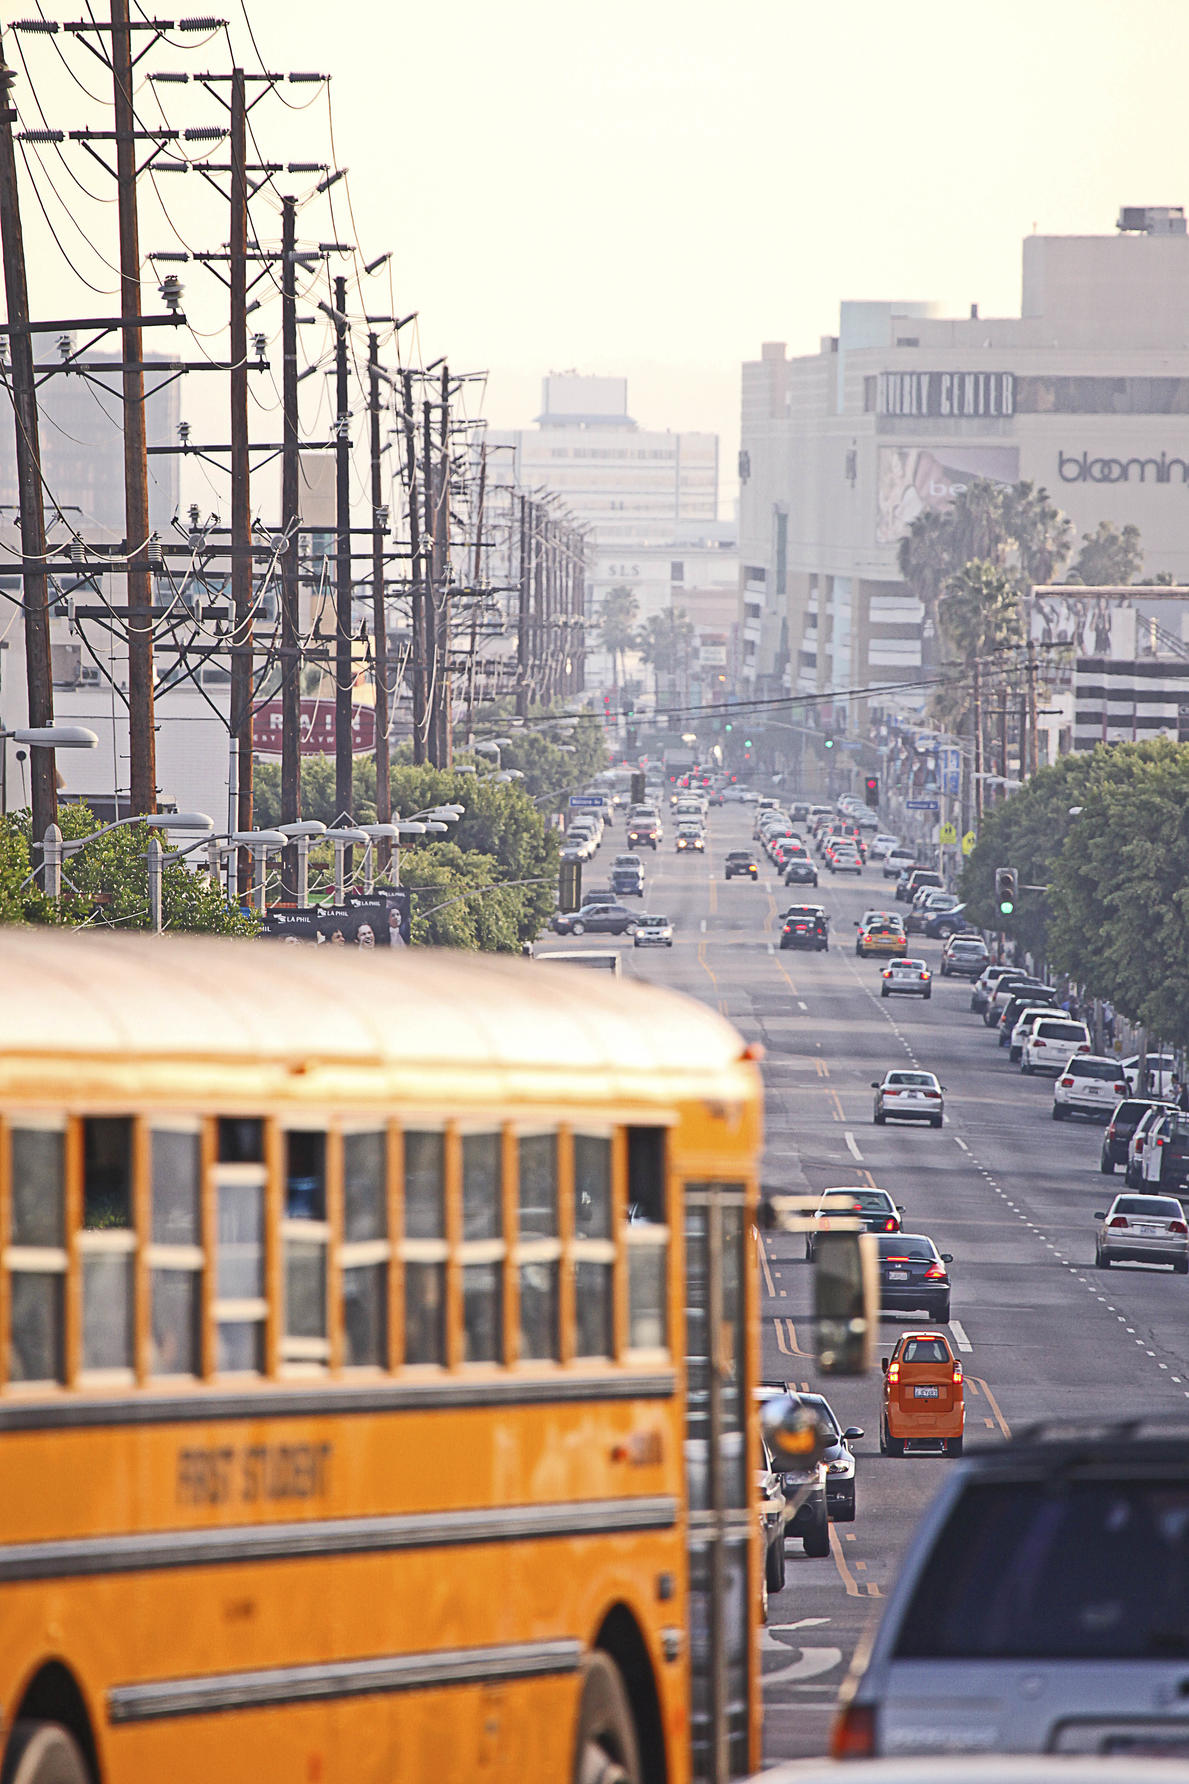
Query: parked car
(911,881)
(1164,1161)
(772,1520)
(1125,1118)
(963,957)
(741,863)
(1134,1163)
(1089,1085)
(923,1396)
(1143,1229)
(1160,1068)
(1051,1042)
(940,925)
(896,860)
(881,845)
(930,900)
(992,976)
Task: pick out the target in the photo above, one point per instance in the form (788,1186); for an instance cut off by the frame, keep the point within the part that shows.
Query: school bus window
(365,1249)
(175,1251)
(482,1248)
(423,1247)
(36,1255)
(538,1250)
(241,1140)
(306,1238)
(593,1250)
(240,1307)
(647,1240)
(107,1244)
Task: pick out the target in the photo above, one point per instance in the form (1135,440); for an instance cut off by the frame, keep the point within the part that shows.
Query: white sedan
(908,1096)
(1146,1229)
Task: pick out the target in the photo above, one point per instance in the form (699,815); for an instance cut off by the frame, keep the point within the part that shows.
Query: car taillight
(924,975)
(1038,1043)
(1085,1047)
(888,973)
(893,1372)
(935,1094)
(1160,1140)
(957,1373)
(890,1092)
(889,1226)
(1110,1132)
(1120,1220)
(935,1273)
(1120,1090)
(1066,1083)
(1177,1226)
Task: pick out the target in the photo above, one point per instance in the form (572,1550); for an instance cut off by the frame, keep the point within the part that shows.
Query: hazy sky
(655,188)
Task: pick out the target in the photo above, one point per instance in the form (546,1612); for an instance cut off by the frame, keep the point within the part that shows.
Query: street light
(54,850)
(302,834)
(41,737)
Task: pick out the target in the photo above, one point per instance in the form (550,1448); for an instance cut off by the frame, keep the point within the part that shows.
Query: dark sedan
(598,919)
(740,861)
(805,926)
(800,871)
(913,1275)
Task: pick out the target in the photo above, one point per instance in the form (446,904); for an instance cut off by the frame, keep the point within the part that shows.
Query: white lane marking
(801,1623)
(959,1332)
(771,949)
(802,1006)
(852,1143)
(961,1143)
(813,1661)
(702,926)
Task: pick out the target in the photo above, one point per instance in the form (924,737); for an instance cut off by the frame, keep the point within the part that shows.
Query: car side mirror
(947,1257)
(852,1431)
(883,1363)
(1098,1214)
(875,1083)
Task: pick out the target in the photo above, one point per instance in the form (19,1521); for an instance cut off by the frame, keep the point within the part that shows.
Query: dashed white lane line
(960,1338)
(702,927)
(802,1006)
(961,1143)
(853,1147)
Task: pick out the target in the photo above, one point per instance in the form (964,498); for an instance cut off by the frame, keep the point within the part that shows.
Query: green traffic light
(747,743)
(1006,907)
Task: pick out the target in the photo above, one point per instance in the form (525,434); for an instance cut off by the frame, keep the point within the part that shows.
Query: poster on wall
(363,920)
(914,478)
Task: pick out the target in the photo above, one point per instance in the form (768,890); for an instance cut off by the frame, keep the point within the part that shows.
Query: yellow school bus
(365,1324)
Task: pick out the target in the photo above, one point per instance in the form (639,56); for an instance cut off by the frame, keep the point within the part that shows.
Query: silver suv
(1042,1607)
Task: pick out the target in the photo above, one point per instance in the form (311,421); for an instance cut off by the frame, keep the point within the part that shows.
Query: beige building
(1085,393)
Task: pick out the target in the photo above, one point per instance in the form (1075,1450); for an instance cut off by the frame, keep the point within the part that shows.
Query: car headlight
(843,1466)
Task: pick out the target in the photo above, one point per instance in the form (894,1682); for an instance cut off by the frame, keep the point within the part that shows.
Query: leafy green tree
(617,625)
(1027,832)
(20,900)
(458,901)
(666,642)
(1108,557)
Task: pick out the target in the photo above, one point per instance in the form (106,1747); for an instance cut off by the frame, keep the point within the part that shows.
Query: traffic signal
(728,726)
(1007,890)
(747,743)
(569,885)
(871,791)
(829,743)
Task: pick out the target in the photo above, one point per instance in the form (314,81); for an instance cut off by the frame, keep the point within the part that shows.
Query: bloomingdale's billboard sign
(1081,468)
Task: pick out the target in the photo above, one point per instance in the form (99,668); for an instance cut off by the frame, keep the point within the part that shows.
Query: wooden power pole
(38,671)
(241,498)
(343,677)
(379,608)
(291,561)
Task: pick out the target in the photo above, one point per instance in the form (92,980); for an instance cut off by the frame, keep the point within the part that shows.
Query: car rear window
(1166,1207)
(874,1202)
(1061,1031)
(925,1350)
(1094,1068)
(896,1245)
(1056,1570)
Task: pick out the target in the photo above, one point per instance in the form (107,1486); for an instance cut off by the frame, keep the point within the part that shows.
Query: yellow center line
(847,1577)
(994,1405)
(870,1179)
(703,962)
(838,1114)
(794,1347)
(764,1266)
(781,1346)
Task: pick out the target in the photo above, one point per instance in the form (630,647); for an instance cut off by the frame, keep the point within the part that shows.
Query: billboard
(317,728)
(363,920)
(914,478)
(1088,626)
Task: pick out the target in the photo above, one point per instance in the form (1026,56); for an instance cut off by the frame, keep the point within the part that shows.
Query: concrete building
(648,499)
(1085,393)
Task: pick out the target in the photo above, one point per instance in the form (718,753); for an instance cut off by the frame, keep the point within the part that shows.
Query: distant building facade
(1086,393)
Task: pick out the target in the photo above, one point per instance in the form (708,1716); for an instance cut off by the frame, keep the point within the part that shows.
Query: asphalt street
(1042,1334)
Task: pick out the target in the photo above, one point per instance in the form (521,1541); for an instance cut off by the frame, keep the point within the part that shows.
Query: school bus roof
(115,1000)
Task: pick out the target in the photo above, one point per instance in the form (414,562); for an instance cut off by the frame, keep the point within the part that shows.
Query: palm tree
(666,642)
(617,626)
(1043,536)
(926,559)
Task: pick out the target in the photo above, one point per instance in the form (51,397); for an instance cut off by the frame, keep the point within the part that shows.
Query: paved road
(1006,1190)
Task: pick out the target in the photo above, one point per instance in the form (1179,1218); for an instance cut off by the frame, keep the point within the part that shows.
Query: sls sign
(1081,468)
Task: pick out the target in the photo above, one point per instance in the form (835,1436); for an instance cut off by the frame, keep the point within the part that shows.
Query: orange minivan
(923,1400)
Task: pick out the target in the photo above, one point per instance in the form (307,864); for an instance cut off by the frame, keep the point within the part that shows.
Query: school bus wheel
(606,1750)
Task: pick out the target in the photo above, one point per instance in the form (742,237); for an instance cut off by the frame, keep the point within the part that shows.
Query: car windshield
(1093,1068)
(739,855)
(654,922)
(821,1406)
(921,1080)
(906,1247)
(925,1350)
(1056,1569)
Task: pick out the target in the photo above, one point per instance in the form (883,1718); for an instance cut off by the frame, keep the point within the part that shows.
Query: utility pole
(441,543)
(241,499)
(38,672)
(290,562)
(429,583)
(419,627)
(379,615)
(343,796)
(476,577)
(522,613)
(141,734)
(537,626)
(1033,745)
(978,747)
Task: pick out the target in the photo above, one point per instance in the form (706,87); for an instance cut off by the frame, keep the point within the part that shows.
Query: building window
(676,571)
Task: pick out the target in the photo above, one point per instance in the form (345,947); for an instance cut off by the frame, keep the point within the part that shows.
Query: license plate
(927,1393)
(1147,1232)
(897,1275)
